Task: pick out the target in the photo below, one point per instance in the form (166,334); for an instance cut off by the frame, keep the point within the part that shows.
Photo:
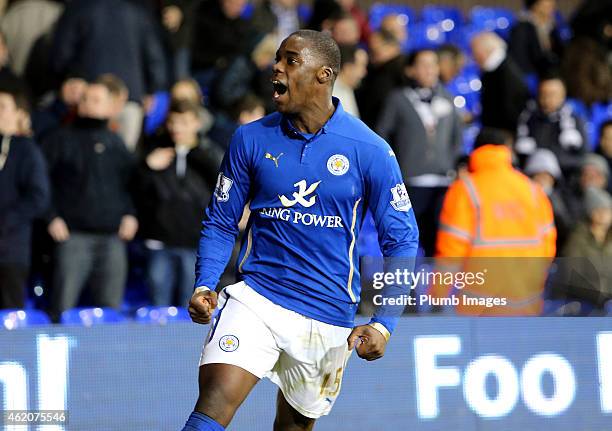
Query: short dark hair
(18,91)
(492,136)
(449,49)
(324,46)
(414,56)
(347,54)
(388,37)
(552,74)
(249,102)
(183,106)
(113,83)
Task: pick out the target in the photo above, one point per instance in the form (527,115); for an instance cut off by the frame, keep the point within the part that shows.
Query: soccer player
(310,171)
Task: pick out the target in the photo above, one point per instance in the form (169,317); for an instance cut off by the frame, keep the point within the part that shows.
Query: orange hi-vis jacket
(499,223)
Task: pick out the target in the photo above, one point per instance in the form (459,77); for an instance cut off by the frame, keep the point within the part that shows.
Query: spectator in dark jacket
(112,36)
(594,173)
(384,74)
(587,276)
(504,93)
(423,128)
(61,109)
(24,195)
(535,43)
(551,123)
(177,19)
(175,182)
(219,35)
(543,168)
(92,212)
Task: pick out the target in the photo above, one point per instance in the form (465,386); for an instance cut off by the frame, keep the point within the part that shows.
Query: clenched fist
(369,342)
(202,305)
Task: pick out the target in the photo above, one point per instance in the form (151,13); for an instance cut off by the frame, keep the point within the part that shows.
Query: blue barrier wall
(438,373)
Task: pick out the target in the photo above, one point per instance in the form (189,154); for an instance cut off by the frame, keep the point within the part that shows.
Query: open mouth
(279,89)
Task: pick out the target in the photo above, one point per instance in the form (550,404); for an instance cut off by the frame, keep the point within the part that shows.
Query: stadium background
(108,367)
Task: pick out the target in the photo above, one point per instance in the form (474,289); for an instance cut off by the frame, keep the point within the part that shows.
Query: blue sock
(200,422)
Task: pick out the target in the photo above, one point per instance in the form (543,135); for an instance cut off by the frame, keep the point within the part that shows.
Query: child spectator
(92,212)
(175,182)
(24,195)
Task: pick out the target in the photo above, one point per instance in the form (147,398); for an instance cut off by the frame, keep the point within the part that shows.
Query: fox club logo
(229,343)
(337,164)
(401,201)
(274,159)
(224,184)
(300,196)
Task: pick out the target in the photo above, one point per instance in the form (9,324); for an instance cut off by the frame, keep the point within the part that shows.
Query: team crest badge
(228,343)
(337,164)
(224,184)
(401,201)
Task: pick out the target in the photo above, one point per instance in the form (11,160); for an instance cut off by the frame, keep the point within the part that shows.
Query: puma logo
(274,159)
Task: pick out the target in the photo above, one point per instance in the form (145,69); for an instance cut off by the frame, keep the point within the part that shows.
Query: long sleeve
(34,190)
(220,224)
(153,56)
(398,233)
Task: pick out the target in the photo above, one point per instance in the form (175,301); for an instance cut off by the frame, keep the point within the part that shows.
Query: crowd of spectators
(115,115)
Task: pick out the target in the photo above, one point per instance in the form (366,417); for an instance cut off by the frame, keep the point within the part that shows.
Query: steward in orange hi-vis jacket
(497,223)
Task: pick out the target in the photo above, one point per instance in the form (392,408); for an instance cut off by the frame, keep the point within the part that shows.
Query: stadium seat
(162,315)
(379,10)
(435,14)
(425,36)
(247,12)
(157,115)
(608,308)
(12,319)
(600,113)
(496,19)
(304,12)
(91,316)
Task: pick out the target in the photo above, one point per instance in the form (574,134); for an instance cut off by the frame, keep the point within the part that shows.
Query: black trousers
(427,205)
(13,279)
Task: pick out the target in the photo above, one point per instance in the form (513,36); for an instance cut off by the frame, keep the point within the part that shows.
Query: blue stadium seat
(425,36)
(158,112)
(304,12)
(608,308)
(496,19)
(436,14)
(91,316)
(12,319)
(247,12)
(600,113)
(162,315)
(379,10)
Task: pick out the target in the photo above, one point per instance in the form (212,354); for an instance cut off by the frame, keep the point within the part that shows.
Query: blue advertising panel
(438,373)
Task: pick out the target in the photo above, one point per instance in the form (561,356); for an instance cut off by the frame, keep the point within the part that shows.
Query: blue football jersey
(307,195)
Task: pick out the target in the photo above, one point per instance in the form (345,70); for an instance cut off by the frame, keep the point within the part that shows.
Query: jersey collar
(291,131)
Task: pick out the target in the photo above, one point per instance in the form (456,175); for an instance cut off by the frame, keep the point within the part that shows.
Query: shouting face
(297,76)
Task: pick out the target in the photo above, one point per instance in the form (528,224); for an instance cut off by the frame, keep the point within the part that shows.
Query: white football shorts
(304,357)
